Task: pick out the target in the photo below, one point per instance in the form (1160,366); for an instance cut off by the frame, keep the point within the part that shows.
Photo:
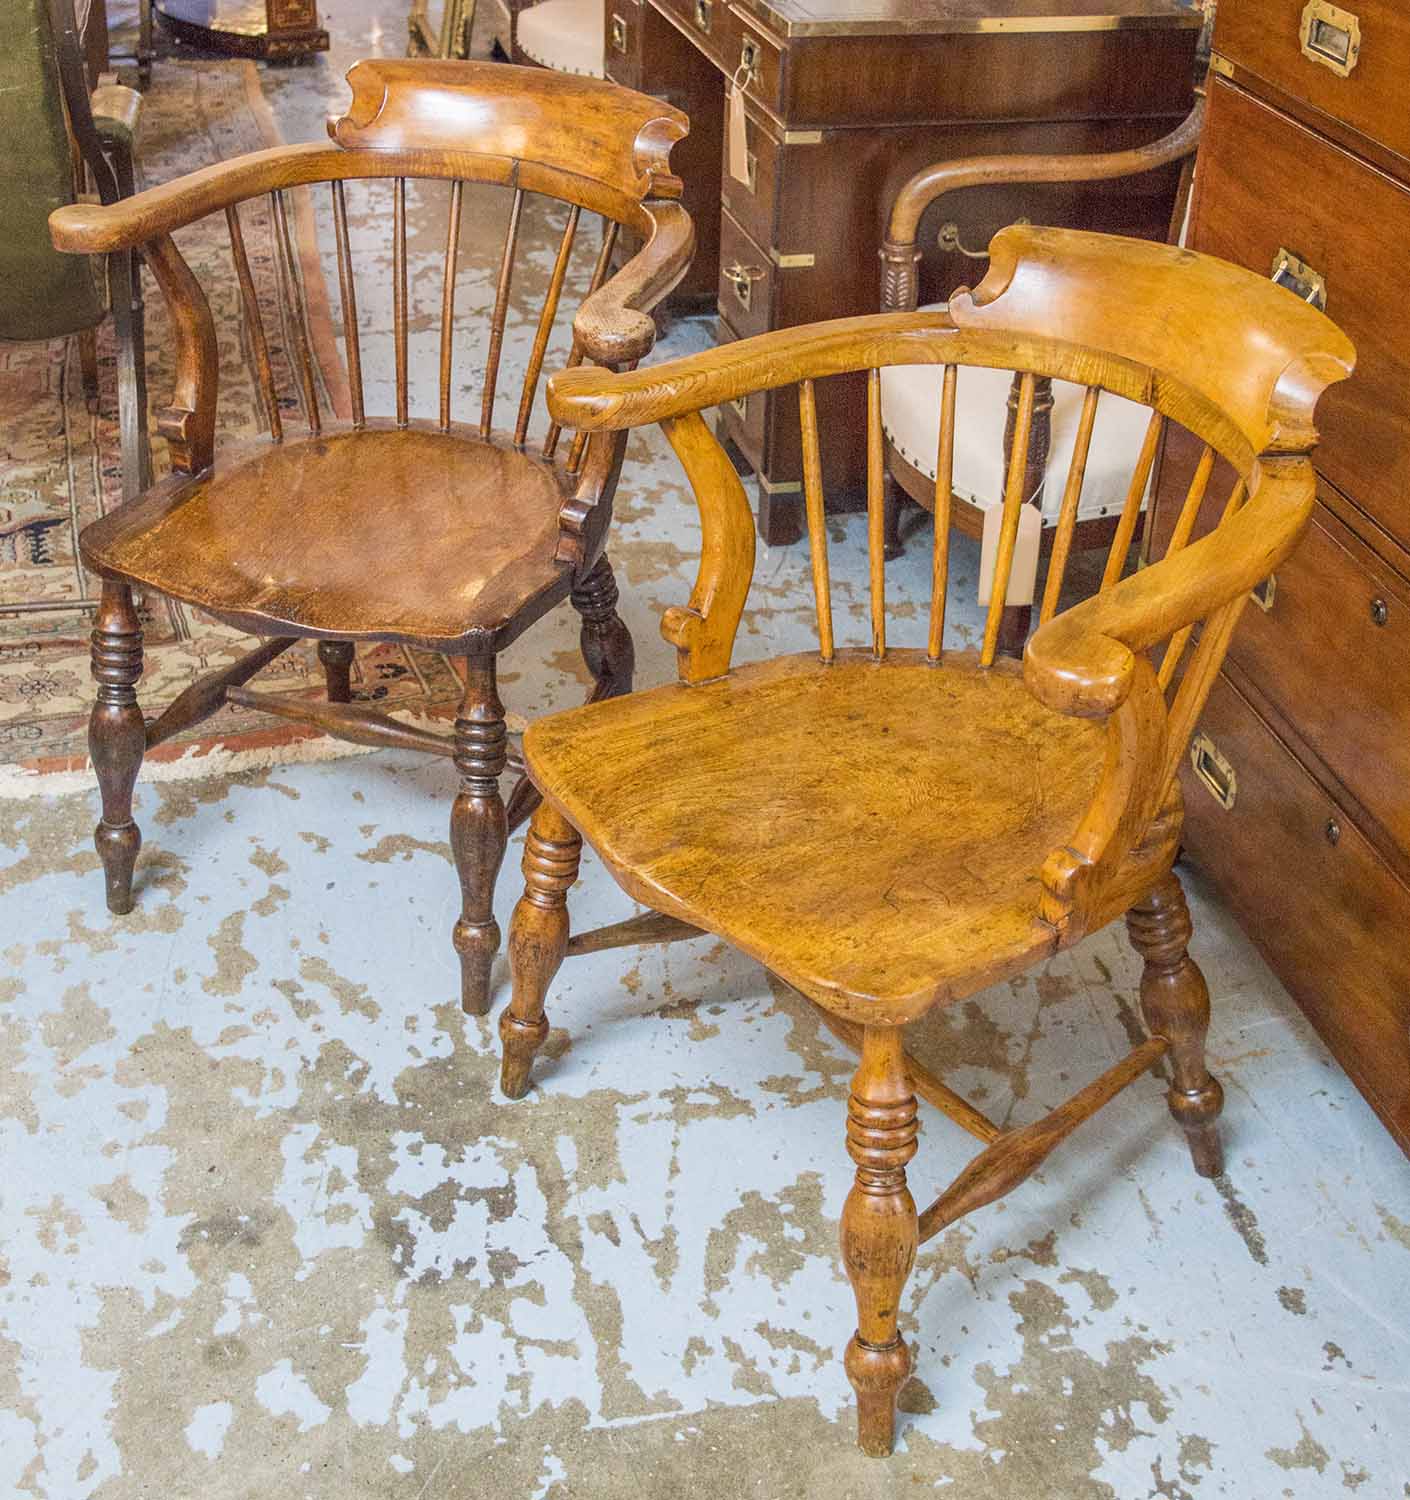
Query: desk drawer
(751,54)
(753,207)
(1314,896)
(1265,185)
(744,421)
(622,42)
(706,21)
(746,280)
(1332,653)
(1372,36)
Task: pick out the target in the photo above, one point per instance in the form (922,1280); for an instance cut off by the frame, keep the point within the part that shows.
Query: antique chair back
(891,827)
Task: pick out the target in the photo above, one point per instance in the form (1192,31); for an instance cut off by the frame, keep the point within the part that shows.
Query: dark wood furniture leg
(880,1231)
(337,659)
(538,941)
(479,829)
(605,640)
(117,738)
(1175,1005)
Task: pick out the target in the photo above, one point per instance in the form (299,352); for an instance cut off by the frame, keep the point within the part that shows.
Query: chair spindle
(298,312)
(876,514)
(944,495)
(457,194)
(1175,647)
(1067,512)
(1014,499)
(1198,680)
(253,322)
(501,311)
(575,356)
(817,521)
(399,318)
(347,291)
(1130,512)
(545,328)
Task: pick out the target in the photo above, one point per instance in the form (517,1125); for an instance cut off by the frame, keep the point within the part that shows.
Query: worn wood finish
(892,828)
(272,536)
(1306,731)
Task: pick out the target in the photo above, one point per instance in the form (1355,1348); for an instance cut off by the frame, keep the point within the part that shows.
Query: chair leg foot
(880,1232)
(117,738)
(479,830)
(337,659)
(606,642)
(1175,1005)
(538,940)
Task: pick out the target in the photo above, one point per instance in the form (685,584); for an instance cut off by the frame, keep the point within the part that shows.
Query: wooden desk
(269,29)
(846,99)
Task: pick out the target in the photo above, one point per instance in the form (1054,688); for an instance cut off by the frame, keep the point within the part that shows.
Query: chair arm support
(1083,661)
(614,326)
(899,254)
(117,113)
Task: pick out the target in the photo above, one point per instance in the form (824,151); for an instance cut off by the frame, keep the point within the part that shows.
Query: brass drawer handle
(702,15)
(619,34)
(1330,36)
(742,279)
(1300,279)
(1380,611)
(748,69)
(1265,593)
(1214,771)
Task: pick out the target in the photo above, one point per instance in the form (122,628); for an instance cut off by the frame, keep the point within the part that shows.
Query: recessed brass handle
(1214,771)
(742,279)
(619,34)
(748,61)
(702,15)
(1265,593)
(1300,279)
(1330,36)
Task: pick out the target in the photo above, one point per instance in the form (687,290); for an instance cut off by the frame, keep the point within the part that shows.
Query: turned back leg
(880,1231)
(1175,1005)
(117,738)
(479,829)
(538,940)
(606,642)
(337,659)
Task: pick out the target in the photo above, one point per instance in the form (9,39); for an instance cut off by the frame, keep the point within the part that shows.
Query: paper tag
(737,147)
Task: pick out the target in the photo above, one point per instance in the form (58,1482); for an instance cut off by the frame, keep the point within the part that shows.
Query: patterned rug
(59,469)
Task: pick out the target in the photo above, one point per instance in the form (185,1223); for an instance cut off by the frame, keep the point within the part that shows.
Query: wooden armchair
(984,432)
(890,829)
(485,535)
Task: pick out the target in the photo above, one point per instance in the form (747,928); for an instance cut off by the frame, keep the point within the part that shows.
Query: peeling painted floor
(267,1228)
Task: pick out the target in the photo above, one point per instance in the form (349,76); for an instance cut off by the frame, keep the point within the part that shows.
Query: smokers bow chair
(485,535)
(890,829)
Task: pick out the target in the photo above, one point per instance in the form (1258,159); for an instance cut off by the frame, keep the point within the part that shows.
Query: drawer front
(744,421)
(1373,36)
(1265,185)
(622,50)
(752,207)
(755,58)
(705,20)
(746,280)
(1329,645)
(1313,894)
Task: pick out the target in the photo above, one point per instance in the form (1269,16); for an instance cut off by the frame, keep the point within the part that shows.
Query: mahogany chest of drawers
(1298,789)
(843,101)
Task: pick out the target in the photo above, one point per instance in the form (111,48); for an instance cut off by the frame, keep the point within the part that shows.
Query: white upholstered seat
(910,416)
(565,35)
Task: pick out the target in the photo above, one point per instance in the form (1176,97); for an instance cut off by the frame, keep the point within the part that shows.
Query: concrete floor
(267,1228)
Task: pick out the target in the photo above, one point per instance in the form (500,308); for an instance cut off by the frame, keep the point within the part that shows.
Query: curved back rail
(587,144)
(1226,354)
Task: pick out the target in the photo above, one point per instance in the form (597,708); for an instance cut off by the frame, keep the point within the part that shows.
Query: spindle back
(590,145)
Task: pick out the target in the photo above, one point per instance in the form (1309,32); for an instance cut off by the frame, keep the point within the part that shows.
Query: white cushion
(910,416)
(565,35)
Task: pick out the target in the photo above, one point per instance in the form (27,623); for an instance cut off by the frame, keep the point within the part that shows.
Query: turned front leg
(538,940)
(117,738)
(606,642)
(879,1231)
(479,829)
(1175,1005)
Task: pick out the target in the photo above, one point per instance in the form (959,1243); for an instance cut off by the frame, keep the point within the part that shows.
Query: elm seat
(410,534)
(910,417)
(915,904)
(565,35)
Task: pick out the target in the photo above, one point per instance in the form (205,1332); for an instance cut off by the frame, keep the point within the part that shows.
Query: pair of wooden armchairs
(888,828)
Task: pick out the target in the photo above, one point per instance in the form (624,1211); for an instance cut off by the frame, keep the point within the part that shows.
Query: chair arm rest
(1083,661)
(614,326)
(117,112)
(898,251)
